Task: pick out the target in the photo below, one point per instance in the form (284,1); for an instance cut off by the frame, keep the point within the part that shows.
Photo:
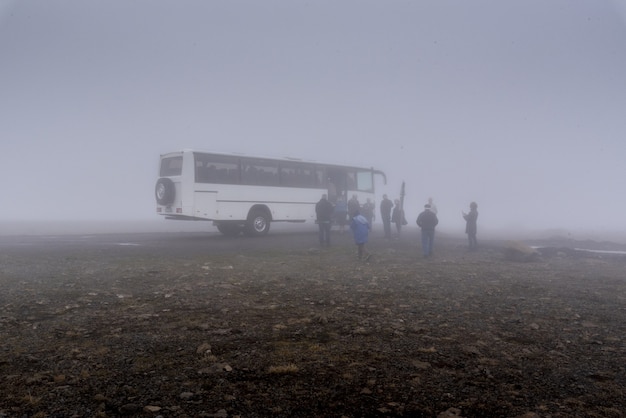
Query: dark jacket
(324,211)
(397,216)
(427,220)
(353,207)
(470,221)
(385,209)
(368,211)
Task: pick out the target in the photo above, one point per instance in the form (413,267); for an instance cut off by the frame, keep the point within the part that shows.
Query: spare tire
(164,191)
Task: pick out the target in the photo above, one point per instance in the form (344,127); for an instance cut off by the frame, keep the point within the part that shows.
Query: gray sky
(518,105)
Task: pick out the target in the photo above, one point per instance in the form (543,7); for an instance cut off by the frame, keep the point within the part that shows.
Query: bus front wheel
(258,223)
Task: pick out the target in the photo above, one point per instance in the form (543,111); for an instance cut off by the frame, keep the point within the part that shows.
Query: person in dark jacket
(324,211)
(470,225)
(385,215)
(427,221)
(354,206)
(360,230)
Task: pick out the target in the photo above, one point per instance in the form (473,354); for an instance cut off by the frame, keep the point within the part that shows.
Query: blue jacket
(360,229)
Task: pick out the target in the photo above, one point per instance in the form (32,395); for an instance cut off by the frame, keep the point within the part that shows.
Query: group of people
(343,211)
(360,219)
(392,213)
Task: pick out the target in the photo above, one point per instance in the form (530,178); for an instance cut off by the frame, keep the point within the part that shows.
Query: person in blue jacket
(360,230)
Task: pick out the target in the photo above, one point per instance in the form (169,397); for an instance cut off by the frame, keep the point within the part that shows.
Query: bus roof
(286,159)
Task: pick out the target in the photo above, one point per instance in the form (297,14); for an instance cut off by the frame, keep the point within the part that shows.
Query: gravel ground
(283,328)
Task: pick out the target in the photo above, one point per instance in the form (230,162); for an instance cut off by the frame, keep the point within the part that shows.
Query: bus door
(337,184)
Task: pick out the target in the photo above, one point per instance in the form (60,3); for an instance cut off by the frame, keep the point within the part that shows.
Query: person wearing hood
(360,230)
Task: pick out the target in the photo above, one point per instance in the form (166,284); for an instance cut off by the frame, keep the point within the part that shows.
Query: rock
(360,331)
(129,409)
(151,408)
(204,348)
(186,395)
(451,413)
(216,368)
(518,251)
(421,365)
(98,397)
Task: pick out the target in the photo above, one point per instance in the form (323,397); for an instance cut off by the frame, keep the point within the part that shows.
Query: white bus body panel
(226,203)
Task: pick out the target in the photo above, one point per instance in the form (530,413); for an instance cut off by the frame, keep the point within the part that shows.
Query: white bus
(246,193)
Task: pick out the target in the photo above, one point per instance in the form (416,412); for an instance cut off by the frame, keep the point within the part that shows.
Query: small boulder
(518,251)
(450,413)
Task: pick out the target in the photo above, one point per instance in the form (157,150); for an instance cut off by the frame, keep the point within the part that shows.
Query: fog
(519,106)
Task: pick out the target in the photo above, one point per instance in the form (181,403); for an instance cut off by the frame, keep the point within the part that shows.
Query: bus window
(320,178)
(171,166)
(365,181)
(294,175)
(220,169)
(259,172)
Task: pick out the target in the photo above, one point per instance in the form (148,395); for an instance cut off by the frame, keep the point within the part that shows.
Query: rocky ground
(310,332)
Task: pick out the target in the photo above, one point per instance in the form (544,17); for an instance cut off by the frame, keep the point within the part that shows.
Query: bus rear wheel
(258,223)
(228,229)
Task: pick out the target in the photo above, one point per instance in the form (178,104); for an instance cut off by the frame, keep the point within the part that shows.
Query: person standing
(368,211)
(427,221)
(385,215)
(324,211)
(360,230)
(353,206)
(470,225)
(397,216)
(332,191)
(341,212)
(433,208)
